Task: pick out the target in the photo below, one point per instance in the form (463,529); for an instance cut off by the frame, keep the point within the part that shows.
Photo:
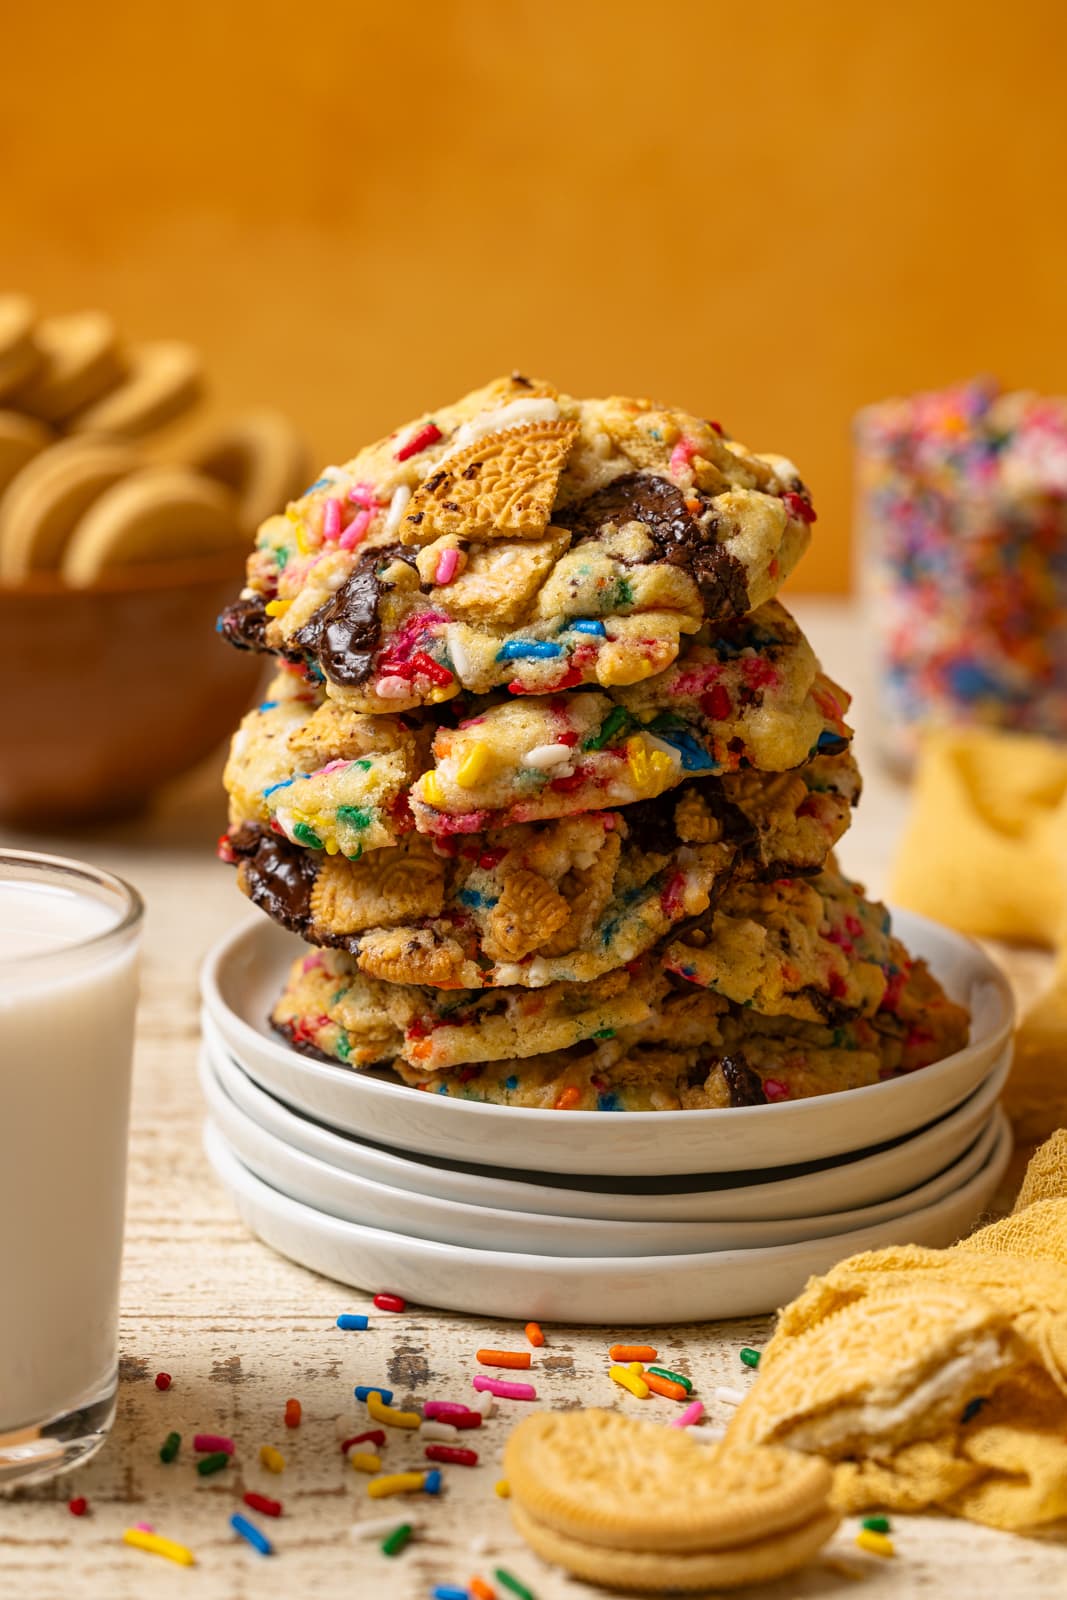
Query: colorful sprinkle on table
(518,1359)
(272,1459)
(363,1391)
(749,1357)
(293,1413)
(215,1462)
(396,1483)
(389,1415)
(156,1545)
(170,1447)
(673,1377)
(632,1352)
(458,1457)
(503,1576)
(692,1413)
(351,1321)
(249,1532)
(263,1503)
(78,1506)
(394,1542)
(534,1334)
(390,1302)
(876,1524)
(629,1380)
(875,1544)
(213,1441)
(503,1488)
(503,1391)
(163,1380)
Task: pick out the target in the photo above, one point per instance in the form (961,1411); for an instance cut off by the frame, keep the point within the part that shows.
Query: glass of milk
(69,937)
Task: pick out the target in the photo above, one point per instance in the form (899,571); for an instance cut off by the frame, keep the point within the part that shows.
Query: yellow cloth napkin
(935,1379)
(986,851)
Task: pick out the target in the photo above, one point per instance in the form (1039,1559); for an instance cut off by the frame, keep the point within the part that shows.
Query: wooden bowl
(113,690)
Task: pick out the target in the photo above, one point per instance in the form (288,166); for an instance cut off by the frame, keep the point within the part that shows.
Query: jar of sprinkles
(962,514)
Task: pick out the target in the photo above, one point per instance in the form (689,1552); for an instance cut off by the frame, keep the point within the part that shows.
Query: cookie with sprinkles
(520,539)
(565,899)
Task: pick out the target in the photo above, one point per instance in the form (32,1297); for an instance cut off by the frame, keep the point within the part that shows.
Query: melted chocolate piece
(745,1085)
(276,875)
(650,824)
(679,538)
(343,634)
(244,624)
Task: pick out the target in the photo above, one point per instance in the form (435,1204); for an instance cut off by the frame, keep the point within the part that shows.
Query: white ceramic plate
(245,972)
(639,1291)
(377,1205)
(712,1197)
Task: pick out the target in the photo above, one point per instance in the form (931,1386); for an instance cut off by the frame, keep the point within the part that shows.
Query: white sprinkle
(706,1433)
(347,1425)
(377,1526)
(480,1545)
(401,496)
(547,755)
(729,1397)
(393,688)
(438,1430)
(485,1404)
(516,414)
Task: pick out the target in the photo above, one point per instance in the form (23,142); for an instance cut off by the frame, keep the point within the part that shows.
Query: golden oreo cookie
(157,514)
(259,455)
(49,497)
(643,1506)
(19,355)
(21,438)
(80,361)
(159,380)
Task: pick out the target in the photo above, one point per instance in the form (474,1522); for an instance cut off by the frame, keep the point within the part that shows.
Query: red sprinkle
(567,785)
(375,1435)
(465,1419)
(430,668)
(163,1380)
(79,1505)
(225,851)
(390,1302)
(293,1413)
(422,440)
(775,1089)
(717,703)
(798,507)
(260,1502)
(838,986)
(449,1452)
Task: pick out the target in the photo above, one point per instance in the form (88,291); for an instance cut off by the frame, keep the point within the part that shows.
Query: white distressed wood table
(241,1330)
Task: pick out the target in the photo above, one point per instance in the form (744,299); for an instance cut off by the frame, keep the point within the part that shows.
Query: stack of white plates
(600,1217)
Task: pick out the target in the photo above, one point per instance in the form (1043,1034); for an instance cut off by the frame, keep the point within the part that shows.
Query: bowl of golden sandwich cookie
(114,559)
(539,815)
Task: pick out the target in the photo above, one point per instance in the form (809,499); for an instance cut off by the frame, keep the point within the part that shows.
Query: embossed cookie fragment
(80,361)
(502,486)
(639,1506)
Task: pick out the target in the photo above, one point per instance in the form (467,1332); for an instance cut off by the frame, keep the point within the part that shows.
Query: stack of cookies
(550,781)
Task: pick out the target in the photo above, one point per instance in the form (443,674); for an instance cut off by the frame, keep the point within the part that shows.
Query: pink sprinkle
(691,1414)
(356,530)
(333,766)
(682,454)
(447,563)
(504,1391)
(775,1089)
(364,494)
(145,1527)
(443,1409)
(213,1441)
(393,688)
(309,963)
(331,520)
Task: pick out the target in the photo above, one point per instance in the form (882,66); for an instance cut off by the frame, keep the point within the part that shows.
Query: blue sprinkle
(362,1390)
(431,1484)
(470,897)
(528,649)
(445,1591)
(276,786)
(351,1319)
(830,741)
(587,625)
(268,705)
(249,1531)
(607,1102)
(972,1408)
(320,483)
(511,1083)
(694,757)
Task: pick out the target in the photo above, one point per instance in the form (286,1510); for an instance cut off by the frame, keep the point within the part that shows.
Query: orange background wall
(768,212)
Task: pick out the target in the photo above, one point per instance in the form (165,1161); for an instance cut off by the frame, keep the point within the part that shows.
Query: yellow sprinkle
(272,1459)
(277,608)
(387,1414)
(432,792)
(629,1380)
(156,1545)
(444,691)
(473,765)
(637,760)
(638,1367)
(660,763)
(503,1488)
(876,1544)
(364,1461)
(332,847)
(396,1483)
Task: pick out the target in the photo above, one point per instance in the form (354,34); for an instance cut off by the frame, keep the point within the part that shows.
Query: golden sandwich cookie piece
(19,355)
(259,456)
(45,503)
(80,361)
(159,380)
(21,438)
(158,513)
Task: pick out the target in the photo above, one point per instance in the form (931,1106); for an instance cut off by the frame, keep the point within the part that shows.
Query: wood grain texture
(241,1330)
(769,213)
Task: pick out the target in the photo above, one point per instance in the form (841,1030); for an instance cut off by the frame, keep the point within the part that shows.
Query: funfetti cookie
(521,539)
(639,1506)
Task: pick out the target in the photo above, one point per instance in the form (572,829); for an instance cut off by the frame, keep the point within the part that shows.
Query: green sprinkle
(305,835)
(356,853)
(354,816)
(604,1033)
(612,724)
(502,1575)
(170,1446)
(750,1357)
(212,1463)
(674,1377)
(363,764)
(624,594)
(339,994)
(343,1046)
(281,556)
(876,1524)
(394,1542)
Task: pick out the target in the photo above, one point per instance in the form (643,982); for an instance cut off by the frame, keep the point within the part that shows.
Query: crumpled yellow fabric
(986,851)
(1002,1460)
